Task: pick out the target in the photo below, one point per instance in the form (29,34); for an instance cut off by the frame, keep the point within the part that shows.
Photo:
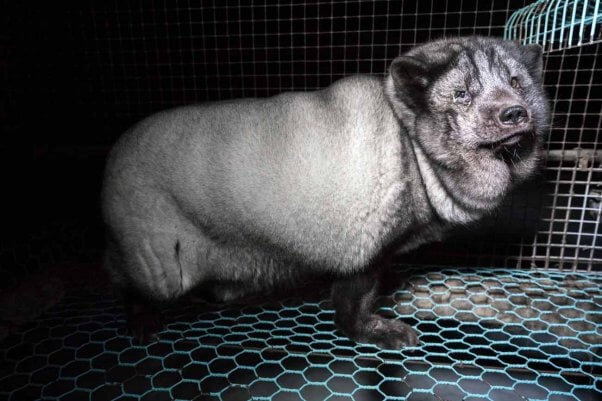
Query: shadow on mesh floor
(487,334)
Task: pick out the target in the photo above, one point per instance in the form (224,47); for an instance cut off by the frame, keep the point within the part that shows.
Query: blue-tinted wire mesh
(487,334)
(557,24)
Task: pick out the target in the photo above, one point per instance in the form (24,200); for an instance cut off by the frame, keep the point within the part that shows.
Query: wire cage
(507,310)
(556,24)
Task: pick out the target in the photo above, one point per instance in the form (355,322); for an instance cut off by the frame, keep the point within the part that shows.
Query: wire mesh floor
(486,334)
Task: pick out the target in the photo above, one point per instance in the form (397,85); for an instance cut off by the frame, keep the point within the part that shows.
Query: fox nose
(514,115)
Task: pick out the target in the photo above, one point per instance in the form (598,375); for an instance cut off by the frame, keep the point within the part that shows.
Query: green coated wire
(597,15)
(545,21)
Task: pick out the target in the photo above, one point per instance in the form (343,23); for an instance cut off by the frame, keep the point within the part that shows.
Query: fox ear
(533,58)
(409,71)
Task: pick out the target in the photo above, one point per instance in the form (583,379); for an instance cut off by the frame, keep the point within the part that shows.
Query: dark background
(77,74)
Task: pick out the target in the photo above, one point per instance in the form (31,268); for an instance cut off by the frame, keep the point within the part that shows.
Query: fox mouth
(506,142)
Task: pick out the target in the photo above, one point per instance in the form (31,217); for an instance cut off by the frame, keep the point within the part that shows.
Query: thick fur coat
(250,193)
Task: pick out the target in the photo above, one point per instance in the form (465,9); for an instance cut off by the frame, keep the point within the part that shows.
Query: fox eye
(462,97)
(514,82)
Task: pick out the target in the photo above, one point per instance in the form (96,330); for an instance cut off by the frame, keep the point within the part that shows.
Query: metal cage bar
(556,24)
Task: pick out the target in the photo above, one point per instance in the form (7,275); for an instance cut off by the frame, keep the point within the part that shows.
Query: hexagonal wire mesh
(485,335)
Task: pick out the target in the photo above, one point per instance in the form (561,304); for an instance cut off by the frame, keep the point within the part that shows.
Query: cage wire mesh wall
(568,30)
(500,333)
